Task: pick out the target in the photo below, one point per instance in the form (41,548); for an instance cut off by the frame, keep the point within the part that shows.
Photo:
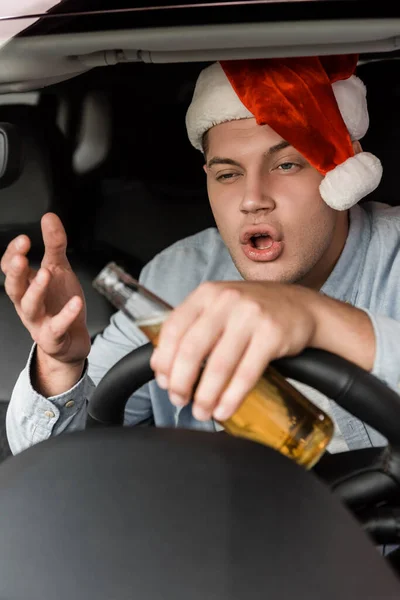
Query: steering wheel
(367,481)
(170,514)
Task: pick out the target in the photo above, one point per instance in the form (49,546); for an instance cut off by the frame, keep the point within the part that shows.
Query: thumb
(54,238)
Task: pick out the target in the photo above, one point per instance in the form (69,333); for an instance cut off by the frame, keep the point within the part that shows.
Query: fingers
(18,246)
(235,338)
(60,324)
(32,303)
(54,238)
(176,326)
(237,359)
(251,367)
(195,346)
(238,329)
(17,278)
(223,362)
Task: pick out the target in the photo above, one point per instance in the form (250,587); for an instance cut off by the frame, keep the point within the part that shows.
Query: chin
(272,271)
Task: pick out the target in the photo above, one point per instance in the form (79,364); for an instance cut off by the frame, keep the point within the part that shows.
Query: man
(285,171)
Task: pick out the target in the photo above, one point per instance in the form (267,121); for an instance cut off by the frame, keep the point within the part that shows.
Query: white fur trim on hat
(214,102)
(351,97)
(351,181)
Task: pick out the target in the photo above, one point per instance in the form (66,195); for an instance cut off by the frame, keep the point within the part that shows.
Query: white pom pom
(351,97)
(351,181)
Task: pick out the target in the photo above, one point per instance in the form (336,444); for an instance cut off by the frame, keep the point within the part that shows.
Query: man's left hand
(240,327)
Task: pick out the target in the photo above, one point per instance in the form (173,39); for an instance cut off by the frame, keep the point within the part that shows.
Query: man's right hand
(51,305)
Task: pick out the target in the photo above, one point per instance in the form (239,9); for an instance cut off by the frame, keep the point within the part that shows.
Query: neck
(324,267)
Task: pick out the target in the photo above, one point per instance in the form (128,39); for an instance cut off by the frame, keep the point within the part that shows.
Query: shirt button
(49,413)
(69,404)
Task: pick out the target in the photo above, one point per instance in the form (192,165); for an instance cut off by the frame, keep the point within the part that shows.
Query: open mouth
(261,241)
(261,246)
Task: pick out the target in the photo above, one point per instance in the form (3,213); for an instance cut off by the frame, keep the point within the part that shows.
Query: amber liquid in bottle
(274,413)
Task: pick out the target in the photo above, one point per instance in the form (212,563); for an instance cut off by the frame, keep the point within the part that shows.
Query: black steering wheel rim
(358,484)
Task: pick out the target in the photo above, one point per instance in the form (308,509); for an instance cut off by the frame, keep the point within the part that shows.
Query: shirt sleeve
(32,418)
(387,355)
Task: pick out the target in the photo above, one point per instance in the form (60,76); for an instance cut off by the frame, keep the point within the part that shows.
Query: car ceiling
(34,61)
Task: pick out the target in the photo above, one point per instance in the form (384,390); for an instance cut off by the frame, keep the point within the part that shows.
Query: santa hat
(316,104)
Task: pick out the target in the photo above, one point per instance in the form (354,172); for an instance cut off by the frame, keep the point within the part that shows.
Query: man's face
(267,206)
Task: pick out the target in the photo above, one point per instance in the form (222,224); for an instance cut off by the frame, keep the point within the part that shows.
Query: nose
(255,196)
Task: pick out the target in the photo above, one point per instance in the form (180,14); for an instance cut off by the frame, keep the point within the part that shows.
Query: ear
(205,169)
(357,147)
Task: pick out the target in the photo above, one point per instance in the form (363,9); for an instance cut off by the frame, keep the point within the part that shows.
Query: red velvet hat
(316,104)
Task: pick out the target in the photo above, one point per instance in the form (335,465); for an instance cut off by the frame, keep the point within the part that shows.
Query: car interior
(107,151)
(95,127)
(114,202)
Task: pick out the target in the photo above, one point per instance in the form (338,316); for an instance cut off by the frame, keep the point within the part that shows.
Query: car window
(9,8)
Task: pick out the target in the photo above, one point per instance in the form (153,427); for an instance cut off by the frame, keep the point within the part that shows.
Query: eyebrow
(217,160)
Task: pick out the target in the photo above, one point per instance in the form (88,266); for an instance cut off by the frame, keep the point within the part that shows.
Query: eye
(227,177)
(287,166)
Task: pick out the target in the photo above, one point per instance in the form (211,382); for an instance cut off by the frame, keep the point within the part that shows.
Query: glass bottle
(274,413)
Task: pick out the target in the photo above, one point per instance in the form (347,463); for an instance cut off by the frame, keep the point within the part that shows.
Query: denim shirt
(367,276)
